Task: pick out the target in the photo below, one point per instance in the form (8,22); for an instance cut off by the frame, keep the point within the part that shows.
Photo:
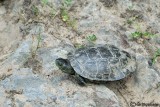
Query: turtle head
(65,66)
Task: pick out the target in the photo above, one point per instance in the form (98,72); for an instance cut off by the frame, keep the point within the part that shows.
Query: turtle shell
(102,63)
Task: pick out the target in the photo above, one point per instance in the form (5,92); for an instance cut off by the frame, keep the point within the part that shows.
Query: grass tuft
(91,38)
(156,55)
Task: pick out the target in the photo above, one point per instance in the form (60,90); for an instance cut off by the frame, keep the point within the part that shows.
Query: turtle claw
(80,80)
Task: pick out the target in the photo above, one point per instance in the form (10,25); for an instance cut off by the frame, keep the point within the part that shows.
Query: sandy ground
(111,21)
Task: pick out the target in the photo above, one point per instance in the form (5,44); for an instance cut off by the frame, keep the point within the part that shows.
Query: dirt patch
(132,14)
(109,3)
(35,64)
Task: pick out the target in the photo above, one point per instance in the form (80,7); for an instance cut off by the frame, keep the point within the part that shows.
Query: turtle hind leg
(80,80)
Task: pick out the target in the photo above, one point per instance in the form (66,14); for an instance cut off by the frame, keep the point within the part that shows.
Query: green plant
(36,46)
(44,2)
(64,15)
(39,39)
(35,10)
(137,34)
(156,55)
(67,2)
(91,38)
(77,45)
(148,34)
(67,19)
(129,21)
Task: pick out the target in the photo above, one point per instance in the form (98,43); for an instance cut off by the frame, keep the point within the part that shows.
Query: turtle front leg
(80,80)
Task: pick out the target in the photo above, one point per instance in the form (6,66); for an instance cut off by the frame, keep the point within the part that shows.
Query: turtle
(97,63)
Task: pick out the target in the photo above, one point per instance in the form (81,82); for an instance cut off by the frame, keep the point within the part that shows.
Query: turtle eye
(60,62)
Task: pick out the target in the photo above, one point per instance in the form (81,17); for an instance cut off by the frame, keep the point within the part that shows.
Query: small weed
(37,46)
(39,39)
(67,2)
(91,38)
(44,2)
(129,21)
(64,15)
(148,34)
(67,19)
(35,10)
(77,45)
(156,55)
(138,34)
(133,20)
